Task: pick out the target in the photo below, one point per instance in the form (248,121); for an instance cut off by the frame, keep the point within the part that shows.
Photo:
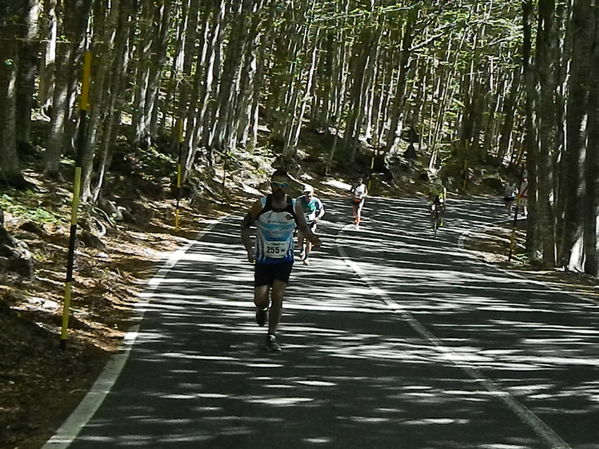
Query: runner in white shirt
(313,212)
(358,195)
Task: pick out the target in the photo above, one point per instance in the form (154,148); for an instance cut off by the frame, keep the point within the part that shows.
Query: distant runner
(522,197)
(313,212)
(509,196)
(437,199)
(358,195)
(275,217)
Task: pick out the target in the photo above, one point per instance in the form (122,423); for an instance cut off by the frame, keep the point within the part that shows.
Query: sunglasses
(282,185)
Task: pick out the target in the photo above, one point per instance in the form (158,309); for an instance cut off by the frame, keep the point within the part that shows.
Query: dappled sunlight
(390,335)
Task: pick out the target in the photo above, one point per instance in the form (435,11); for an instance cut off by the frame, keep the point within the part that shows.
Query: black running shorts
(265,274)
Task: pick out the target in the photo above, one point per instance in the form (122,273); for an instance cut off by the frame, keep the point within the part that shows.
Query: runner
(313,212)
(509,196)
(437,200)
(358,195)
(522,197)
(275,217)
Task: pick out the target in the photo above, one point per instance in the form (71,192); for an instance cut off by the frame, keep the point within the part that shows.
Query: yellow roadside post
(83,108)
(179,132)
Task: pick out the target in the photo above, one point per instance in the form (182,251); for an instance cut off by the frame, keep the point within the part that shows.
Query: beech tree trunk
(27,68)
(11,26)
(591,212)
(577,130)
(75,17)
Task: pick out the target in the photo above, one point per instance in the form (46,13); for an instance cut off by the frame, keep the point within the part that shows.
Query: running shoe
(261,316)
(271,343)
(306,261)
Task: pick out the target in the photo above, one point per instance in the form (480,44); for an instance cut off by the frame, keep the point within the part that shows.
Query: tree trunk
(397,108)
(159,58)
(143,59)
(509,112)
(10,172)
(26,75)
(47,70)
(591,212)
(362,67)
(530,142)
(208,83)
(577,129)
(76,13)
(10,27)
(119,66)
(227,99)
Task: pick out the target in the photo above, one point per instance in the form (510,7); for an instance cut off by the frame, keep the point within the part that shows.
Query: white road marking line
(86,409)
(543,431)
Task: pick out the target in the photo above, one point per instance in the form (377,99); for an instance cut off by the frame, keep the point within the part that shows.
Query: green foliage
(25,207)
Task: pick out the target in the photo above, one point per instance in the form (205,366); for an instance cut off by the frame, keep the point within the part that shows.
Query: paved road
(392,339)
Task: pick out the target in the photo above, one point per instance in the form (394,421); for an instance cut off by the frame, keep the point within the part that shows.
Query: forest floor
(41,383)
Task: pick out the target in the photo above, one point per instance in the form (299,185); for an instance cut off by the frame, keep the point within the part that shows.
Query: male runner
(313,212)
(275,217)
(437,198)
(509,197)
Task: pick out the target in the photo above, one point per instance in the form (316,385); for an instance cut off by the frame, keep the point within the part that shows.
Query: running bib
(276,250)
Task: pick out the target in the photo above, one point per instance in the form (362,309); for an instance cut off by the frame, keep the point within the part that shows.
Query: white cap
(308,189)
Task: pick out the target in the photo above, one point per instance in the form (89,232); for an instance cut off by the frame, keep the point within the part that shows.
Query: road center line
(543,431)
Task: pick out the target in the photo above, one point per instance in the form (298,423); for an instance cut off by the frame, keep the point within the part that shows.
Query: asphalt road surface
(392,338)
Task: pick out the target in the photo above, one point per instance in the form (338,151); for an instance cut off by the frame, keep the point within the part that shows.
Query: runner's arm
(246,232)
(321,210)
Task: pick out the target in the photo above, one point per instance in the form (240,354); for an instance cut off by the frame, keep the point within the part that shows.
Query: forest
(504,84)
(172,99)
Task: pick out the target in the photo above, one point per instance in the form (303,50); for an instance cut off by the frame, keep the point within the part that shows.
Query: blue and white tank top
(274,236)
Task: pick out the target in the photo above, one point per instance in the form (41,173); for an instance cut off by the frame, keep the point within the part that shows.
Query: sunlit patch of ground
(504,246)
(41,383)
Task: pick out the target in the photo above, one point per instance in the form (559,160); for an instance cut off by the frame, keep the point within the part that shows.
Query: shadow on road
(352,373)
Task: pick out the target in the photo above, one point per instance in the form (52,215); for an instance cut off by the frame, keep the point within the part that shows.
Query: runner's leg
(300,244)
(308,243)
(261,302)
(308,249)
(359,212)
(261,296)
(277,293)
